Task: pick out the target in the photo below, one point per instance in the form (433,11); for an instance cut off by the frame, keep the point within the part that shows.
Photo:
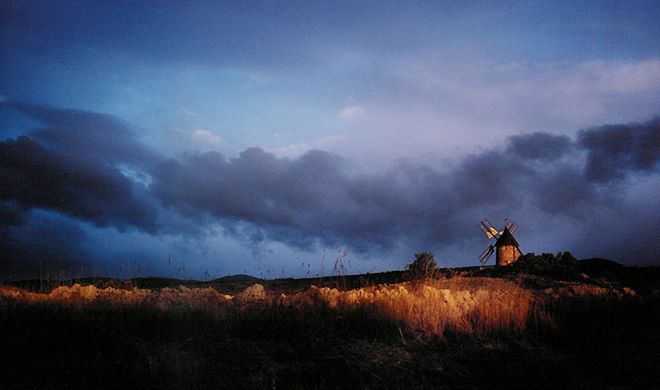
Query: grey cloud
(301,200)
(11,214)
(80,186)
(489,177)
(616,150)
(311,196)
(319,197)
(627,229)
(563,190)
(42,242)
(71,164)
(89,135)
(539,146)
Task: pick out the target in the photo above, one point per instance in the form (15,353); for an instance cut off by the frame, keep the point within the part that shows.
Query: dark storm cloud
(71,166)
(317,198)
(89,135)
(616,150)
(73,169)
(11,214)
(488,178)
(295,201)
(563,190)
(42,243)
(87,189)
(539,146)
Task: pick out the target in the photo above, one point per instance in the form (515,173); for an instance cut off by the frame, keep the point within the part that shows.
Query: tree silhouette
(424,266)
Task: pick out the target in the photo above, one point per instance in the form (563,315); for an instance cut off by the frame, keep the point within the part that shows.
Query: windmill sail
(485,255)
(488,229)
(512,226)
(506,247)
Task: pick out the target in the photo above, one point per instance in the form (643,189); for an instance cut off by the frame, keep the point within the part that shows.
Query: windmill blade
(485,255)
(512,226)
(483,259)
(488,229)
(486,224)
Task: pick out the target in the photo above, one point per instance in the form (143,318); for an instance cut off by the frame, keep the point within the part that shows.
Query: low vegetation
(423,267)
(446,331)
(562,266)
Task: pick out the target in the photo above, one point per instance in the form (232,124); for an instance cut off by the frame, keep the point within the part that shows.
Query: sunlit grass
(429,308)
(453,332)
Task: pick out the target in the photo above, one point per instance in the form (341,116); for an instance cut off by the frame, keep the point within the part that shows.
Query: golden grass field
(445,332)
(429,308)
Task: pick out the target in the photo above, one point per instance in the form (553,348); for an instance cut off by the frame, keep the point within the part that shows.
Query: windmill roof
(506,238)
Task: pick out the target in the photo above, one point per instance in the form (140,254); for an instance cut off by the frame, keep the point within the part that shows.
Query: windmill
(505,246)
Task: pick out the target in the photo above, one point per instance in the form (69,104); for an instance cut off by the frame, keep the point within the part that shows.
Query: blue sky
(392,93)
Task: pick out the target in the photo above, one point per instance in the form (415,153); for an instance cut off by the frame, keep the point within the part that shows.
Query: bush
(424,266)
(563,265)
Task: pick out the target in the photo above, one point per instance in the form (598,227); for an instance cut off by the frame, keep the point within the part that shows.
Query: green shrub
(424,266)
(563,265)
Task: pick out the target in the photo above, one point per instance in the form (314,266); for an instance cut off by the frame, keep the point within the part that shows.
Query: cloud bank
(88,167)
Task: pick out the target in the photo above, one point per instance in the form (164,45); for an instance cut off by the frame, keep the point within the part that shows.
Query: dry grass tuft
(429,308)
(433,307)
(438,333)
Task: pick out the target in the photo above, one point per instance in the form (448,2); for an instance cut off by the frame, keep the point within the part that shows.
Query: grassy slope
(584,342)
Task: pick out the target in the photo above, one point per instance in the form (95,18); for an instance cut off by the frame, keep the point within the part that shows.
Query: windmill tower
(506,247)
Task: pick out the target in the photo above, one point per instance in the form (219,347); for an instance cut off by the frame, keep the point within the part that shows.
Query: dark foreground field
(454,331)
